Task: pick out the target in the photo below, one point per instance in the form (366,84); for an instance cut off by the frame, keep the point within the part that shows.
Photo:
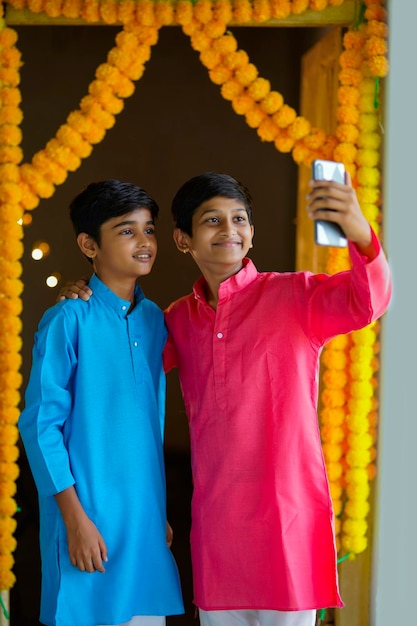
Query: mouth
(142,256)
(228,243)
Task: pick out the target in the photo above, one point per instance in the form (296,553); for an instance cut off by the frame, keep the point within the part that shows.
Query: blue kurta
(94,418)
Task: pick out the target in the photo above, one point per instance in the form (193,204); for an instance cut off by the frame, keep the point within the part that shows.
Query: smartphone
(328,233)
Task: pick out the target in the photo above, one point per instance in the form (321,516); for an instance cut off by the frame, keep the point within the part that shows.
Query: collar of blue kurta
(235,283)
(120,306)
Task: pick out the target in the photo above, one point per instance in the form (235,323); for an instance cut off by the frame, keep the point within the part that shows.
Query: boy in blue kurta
(93,428)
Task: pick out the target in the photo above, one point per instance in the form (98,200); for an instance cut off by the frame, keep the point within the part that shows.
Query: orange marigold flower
(10,57)
(285,116)
(225,44)
(222,11)
(333,397)
(299,128)
(334,379)
(302,154)
(283,143)
(259,89)
(36,181)
(350,76)
(261,11)
(377,29)
(184,12)
(109,11)
(351,59)
(376,12)
(317,5)
(236,60)
(9,172)
(354,40)
(62,154)
(299,6)
(7,488)
(348,95)
(10,192)
(90,10)
(272,102)
(145,12)
(200,41)
(242,11)
(280,9)
(70,137)
(247,74)
(378,66)
(11,115)
(267,130)
(8,37)
(146,35)
(71,8)
(9,76)
(7,579)
(126,11)
(10,135)
(348,133)
(164,13)
(334,359)
(315,138)
(334,471)
(10,96)
(210,58)
(254,117)
(203,11)
(231,89)
(215,29)
(347,115)
(242,104)
(345,152)
(220,75)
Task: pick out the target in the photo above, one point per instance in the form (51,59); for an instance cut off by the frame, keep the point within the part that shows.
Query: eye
(150,230)
(126,231)
(213,220)
(240,218)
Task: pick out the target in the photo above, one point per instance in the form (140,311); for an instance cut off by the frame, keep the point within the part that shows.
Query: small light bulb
(53,280)
(37,254)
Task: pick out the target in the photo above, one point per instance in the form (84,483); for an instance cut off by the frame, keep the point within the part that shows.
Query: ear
(182,240)
(253,233)
(87,245)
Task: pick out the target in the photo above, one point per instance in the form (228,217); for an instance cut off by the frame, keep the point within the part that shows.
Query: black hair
(202,188)
(100,202)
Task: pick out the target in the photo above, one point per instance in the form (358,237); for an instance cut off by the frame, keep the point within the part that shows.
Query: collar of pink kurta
(238,281)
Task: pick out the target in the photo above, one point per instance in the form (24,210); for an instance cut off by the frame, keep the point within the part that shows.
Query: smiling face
(221,235)
(127,248)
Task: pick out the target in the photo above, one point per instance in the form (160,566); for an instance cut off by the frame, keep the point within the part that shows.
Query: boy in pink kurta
(247,348)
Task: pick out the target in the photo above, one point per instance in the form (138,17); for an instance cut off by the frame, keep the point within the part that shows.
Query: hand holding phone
(328,233)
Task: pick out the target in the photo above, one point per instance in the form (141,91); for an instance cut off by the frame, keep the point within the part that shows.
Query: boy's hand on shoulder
(338,203)
(75,289)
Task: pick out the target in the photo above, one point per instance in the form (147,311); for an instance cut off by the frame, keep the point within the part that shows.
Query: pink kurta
(262,532)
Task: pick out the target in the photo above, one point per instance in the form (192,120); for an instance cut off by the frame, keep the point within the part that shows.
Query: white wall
(395,553)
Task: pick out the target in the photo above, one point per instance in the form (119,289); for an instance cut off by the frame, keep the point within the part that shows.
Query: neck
(124,289)
(214,279)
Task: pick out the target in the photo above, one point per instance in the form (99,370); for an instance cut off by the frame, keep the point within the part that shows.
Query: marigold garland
(349,413)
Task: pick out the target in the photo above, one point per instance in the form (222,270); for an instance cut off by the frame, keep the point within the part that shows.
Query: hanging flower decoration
(349,414)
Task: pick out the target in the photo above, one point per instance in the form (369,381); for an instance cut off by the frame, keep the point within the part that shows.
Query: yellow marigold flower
(366,103)
(356,545)
(361,389)
(368,176)
(366,335)
(359,409)
(267,130)
(7,506)
(357,476)
(215,29)
(210,58)
(280,9)
(225,44)
(368,123)
(242,104)
(355,527)
(357,509)
(360,442)
(359,492)
(371,212)
(200,41)
(247,74)
(367,195)
(347,114)
(261,11)
(231,89)
(242,11)
(220,75)
(337,506)
(358,458)
(285,116)
(358,370)
(254,117)
(259,89)
(350,76)
(9,454)
(370,141)
(358,422)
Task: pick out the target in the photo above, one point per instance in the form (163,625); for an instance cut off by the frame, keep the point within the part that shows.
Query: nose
(229,228)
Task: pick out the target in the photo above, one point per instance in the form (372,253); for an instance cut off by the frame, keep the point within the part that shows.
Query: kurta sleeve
(48,402)
(344,302)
